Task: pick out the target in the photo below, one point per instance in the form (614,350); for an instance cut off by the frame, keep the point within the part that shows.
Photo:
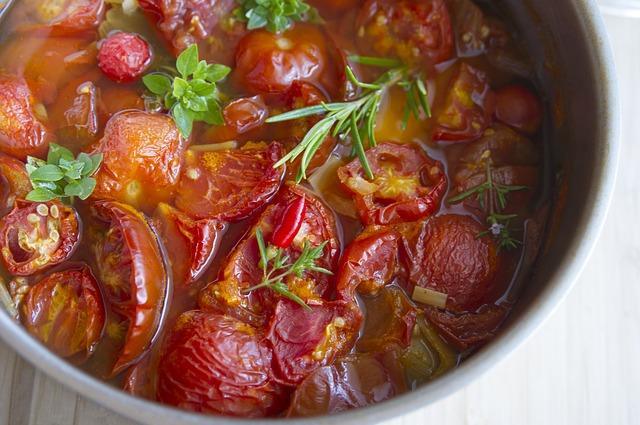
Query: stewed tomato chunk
(123,57)
(133,274)
(468,109)
(519,107)
(407,185)
(14,182)
(416,31)
(213,363)
(142,159)
(306,339)
(476,32)
(229,184)
(62,18)
(242,269)
(65,311)
(38,235)
(21,131)
(76,113)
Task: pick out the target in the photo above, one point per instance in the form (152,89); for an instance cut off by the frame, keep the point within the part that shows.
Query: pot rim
(507,342)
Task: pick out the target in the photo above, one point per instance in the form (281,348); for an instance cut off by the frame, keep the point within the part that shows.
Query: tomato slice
(191,245)
(304,340)
(447,254)
(142,159)
(61,18)
(65,311)
(38,235)
(14,183)
(241,270)
(468,109)
(133,275)
(416,31)
(21,132)
(229,185)
(407,184)
(216,364)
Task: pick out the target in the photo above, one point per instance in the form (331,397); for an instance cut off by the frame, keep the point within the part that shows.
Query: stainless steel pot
(568,40)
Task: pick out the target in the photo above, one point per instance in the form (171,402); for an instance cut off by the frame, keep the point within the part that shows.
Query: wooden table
(581,368)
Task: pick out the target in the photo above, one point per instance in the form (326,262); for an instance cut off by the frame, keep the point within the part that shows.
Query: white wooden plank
(88,412)
(52,404)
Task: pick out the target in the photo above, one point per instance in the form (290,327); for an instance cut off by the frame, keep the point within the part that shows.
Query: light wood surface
(581,368)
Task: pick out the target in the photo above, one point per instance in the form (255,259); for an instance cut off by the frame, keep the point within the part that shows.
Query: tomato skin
(124,57)
(191,244)
(133,274)
(416,31)
(142,159)
(14,183)
(270,63)
(216,364)
(38,235)
(66,18)
(519,107)
(21,132)
(76,113)
(468,109)
(476,33)
(446,254)
(245,114)
(304,340)
(229,185)
(468,330)
(407,184)
(65,311)
(333,7)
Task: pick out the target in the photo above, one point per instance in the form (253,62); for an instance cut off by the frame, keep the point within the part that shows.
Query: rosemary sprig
(356,119)
(492,197)
(276,265)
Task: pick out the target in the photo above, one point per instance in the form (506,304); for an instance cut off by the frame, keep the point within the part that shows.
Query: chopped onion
(7,301)
(362,186)
(129,7)
(429,297)
(215,147)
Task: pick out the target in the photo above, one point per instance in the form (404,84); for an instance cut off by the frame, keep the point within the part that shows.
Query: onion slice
(215,147)
(429,297)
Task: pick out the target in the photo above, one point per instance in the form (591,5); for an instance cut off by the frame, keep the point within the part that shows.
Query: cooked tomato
(115,98)
(468,108)
(216,364)
(21,132)
(416,31)
(76,113)
(132,273)
(14,182)
(245,114)
(66,17)
(270,63)
(38,235)
(304,340)
(519,107)
(475,31)
(407,185)
(333,7)
(467,330)
(447,254)
(142,159)
(65,311)
(191,244)
(232,184)
(241,270)
(123,57)
(389,322)
(354,381)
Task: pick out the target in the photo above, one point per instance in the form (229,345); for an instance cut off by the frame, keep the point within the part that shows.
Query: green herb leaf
(183,119)
(187,62)
(47,173)
(274,15)
(57,152)
(158,84)
(41,195)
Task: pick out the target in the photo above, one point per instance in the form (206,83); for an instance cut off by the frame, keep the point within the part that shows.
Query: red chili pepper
(290,223)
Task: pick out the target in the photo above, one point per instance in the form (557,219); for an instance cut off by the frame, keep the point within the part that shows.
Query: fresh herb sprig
(274,15)
(191,95)
(276,265)
(492,197)
(62,176)
(355,119)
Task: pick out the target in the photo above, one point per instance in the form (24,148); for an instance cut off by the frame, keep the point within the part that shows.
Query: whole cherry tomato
(62,18)
(216,364)
(14,182)
(407,185)
(231,184)
(242,270)
(124,57)
(270,63)
(21,132)
(142,159)
(416,31)
(304,340)
(65,311)
(133,275)
(519,107)
(38,235)
(468,109)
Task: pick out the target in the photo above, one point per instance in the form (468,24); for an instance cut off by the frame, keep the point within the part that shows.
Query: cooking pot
(575,68)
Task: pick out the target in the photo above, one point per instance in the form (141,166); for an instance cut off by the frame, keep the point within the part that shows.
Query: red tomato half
(304,340)
(142,159)
(21,132)
(216,364)
(407,185)
(133,275)
(65,311)
(229,185)
(468,109)
(14,182)
(241,271)
(38,235)
(416,31)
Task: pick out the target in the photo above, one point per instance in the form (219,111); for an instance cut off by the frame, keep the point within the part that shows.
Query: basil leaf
(87,163)
(40,195)
(201,70)
(217,72)
(57,152)
(157,83)
(180,87)
(188,61)
(96,158)
(183,120)
(203,88)
(49,172)
(73,189)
